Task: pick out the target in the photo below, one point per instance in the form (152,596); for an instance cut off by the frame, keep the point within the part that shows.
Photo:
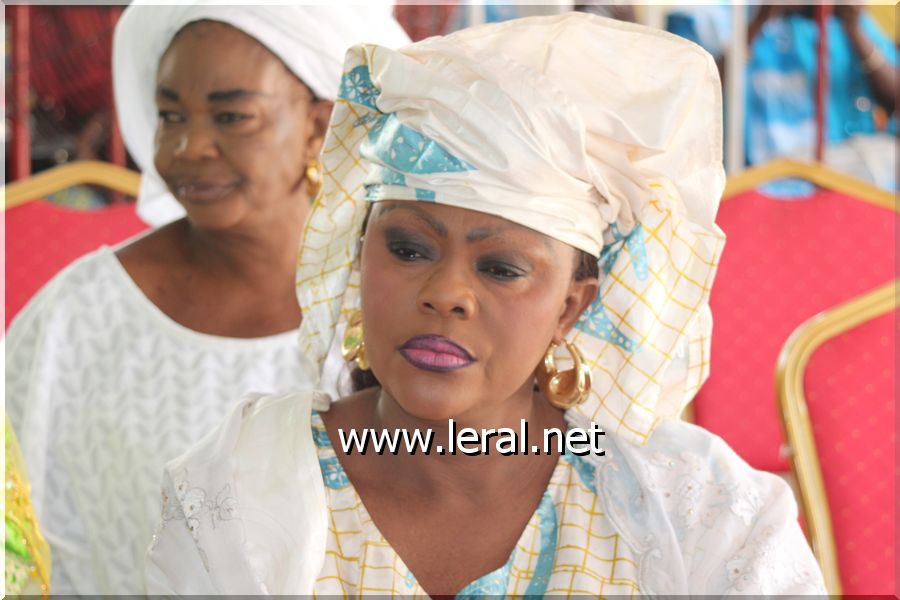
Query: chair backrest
(837,393)
(42,238)
(784,261)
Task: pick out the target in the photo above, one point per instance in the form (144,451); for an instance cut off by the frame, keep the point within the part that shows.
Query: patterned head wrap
(567,125)
(310,40)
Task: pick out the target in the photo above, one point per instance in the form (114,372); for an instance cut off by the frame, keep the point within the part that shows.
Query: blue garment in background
(781,87)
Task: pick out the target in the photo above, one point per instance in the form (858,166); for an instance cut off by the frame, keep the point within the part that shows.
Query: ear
(578,298)
(318,116)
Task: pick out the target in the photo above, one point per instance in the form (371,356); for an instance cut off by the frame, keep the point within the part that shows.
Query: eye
(501,271)
(227,118)
(407,252)
(170,116)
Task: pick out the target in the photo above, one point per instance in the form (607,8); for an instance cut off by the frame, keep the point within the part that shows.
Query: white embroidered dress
(247,512)
(103,388)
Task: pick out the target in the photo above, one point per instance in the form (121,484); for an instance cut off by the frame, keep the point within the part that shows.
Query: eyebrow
(475,235)
(217,96)
(438,227)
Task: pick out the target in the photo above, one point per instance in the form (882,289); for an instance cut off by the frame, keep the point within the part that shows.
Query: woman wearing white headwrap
(488,196)
(131,354)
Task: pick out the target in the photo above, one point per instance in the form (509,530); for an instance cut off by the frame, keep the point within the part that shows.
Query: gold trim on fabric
(19,512)
(93,172)
(815,173)
(792,362)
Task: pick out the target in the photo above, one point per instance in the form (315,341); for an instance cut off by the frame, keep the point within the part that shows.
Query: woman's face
(236,128)
(459,307)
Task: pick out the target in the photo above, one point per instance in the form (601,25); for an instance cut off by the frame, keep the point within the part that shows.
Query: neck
(479,476)
(264,255)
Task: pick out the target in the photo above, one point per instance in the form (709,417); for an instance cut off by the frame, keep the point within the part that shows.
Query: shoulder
(704,519)
(82,286)
(81,272)
(692,477)
(256,425)
(246,504)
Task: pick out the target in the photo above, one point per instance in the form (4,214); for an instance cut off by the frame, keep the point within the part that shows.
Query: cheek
(164,144)
(521,329)
(273,157)
(387,295)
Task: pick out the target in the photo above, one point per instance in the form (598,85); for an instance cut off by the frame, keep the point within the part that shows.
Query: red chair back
(42,238)
(850,389)
(784,261)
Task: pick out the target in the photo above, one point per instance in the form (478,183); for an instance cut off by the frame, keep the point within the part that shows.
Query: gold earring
(353,346)
(567,388)
(313,178)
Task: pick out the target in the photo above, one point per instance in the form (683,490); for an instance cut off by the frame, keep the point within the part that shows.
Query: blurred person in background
(132,353)
(781,91)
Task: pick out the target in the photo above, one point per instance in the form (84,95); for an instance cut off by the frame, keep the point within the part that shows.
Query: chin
(431,396)
(214,218)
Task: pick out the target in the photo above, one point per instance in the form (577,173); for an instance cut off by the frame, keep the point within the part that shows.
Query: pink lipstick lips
(435,353)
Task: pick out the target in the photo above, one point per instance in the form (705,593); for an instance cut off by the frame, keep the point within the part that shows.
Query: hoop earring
(567,388)
(353,346)
(313,178)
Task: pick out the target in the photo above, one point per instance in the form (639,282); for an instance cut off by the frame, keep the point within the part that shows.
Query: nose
(448,293)
(196,142)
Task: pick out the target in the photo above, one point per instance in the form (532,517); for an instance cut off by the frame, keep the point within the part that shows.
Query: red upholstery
(850,386)
(784,261)
(42,238)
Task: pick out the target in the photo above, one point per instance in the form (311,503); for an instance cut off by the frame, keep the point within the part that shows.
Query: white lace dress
(687,515)
(103,389)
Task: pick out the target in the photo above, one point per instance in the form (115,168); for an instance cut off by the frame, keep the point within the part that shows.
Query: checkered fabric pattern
(586,557)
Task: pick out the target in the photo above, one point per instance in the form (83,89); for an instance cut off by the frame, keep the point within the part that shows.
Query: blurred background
(804,350)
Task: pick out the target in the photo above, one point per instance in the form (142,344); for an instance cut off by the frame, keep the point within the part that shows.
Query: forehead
(214,55)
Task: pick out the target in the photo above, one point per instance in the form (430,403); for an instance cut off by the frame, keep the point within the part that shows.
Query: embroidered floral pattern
(694,496)
(194,503)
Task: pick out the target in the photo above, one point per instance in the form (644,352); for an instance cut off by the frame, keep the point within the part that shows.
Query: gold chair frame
(92,172)
(792,362)
(822,176)
(801,344)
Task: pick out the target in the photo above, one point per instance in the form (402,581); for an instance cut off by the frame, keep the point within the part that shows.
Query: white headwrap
(310,40)
(602,134)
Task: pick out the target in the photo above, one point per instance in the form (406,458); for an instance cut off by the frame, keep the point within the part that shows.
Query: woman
(500,163)
(132,353)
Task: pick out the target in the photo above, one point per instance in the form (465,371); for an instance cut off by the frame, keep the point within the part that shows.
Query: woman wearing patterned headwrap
(131,354)
(497,202)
